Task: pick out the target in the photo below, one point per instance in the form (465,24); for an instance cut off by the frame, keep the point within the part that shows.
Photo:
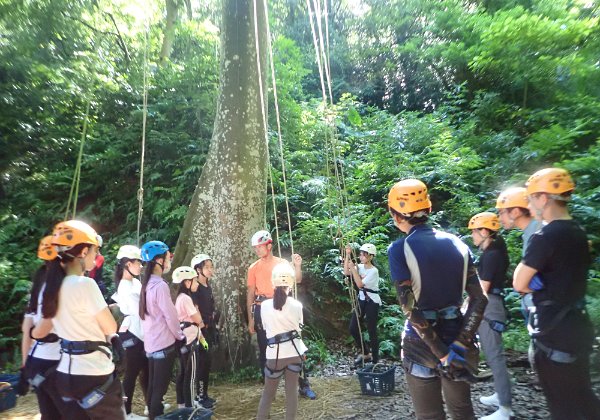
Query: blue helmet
(152,249)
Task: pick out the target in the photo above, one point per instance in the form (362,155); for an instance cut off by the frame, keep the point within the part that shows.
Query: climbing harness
(276,340)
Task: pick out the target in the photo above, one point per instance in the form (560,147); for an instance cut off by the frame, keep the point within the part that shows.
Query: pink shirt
(185,309)
(160,323)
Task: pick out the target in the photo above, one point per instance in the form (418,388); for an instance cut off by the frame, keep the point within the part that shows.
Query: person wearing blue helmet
(162,333)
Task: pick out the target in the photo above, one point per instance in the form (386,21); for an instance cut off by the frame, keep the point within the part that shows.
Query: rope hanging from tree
(140,192)
(74,193)
(322,59)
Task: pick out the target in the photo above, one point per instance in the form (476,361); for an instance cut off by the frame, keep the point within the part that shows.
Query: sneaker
(305,391)
(204,403)
(503,413)
(208,399)
(166,406)
(133,416)
(491,401)
(146,411)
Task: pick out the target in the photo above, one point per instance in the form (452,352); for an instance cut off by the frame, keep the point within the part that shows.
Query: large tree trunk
(228,205)
(169,33)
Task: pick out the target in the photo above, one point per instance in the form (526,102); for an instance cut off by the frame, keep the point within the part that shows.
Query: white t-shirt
(185,309)
(370,280)
(46,351)
(277,322)
(79,302)
(128,299)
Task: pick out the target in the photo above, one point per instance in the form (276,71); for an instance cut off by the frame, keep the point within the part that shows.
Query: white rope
(264,118)
(140,192)
(279,136)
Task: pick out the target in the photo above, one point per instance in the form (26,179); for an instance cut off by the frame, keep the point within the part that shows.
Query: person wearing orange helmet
(492,266)
(430,270)
(560,328)
(40,357)
(74,306)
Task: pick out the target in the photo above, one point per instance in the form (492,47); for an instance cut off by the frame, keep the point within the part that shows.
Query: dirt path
(339,397)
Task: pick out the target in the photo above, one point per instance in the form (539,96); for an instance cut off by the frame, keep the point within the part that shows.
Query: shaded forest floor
(339,397)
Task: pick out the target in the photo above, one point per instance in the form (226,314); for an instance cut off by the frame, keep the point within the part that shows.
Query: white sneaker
(133,416)
(503,413)
(491,401)
(165,408)
(146,411)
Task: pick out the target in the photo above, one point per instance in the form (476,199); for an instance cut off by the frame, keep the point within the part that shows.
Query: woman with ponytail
(162,335)
(282,320)
(129,266)
(75,307)
(40,357)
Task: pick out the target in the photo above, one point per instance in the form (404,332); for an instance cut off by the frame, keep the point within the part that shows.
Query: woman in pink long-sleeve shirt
(162,335)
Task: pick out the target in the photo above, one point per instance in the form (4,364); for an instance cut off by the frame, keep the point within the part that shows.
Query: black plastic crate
(377,379)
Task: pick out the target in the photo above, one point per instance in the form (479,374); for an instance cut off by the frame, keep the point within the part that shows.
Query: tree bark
(229,203)
(169,34)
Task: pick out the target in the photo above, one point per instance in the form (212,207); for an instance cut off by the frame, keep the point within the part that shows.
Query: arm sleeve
(168,310)
(406,298)
(398,266)
(189,307)
(477,304)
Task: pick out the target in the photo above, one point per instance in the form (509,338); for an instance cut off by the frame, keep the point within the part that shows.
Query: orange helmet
(485,220)
(409,196)
(550,180)
(73,232)
(512,197)
(46,251)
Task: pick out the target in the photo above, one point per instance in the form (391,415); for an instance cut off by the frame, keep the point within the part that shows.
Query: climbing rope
(322,58)
(140,192)
(74,193)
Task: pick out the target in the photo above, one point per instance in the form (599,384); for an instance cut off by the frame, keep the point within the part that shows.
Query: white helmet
(183,273)
(283,274)
(199,259)
(131,252)
(261,237)
(369,249)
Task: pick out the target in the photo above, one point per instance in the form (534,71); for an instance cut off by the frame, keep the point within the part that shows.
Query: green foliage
(470,97)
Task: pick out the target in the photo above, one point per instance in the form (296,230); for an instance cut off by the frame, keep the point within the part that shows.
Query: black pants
(50,402)
(370,310)
(204,362)
(137,364)
(78,386)
(158,381)
(567,388)
(186,386)
(261,336)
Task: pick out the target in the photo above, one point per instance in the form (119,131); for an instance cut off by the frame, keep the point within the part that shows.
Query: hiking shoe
(503,413)
(204,403)
(208,399)
(491,401)
(306,392)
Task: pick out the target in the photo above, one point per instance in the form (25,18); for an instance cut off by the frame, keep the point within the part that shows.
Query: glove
(203,342)
(118,352)
(23,384)
(456,367)
(536,283)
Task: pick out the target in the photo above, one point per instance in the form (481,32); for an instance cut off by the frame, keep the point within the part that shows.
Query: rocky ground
(339,396)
